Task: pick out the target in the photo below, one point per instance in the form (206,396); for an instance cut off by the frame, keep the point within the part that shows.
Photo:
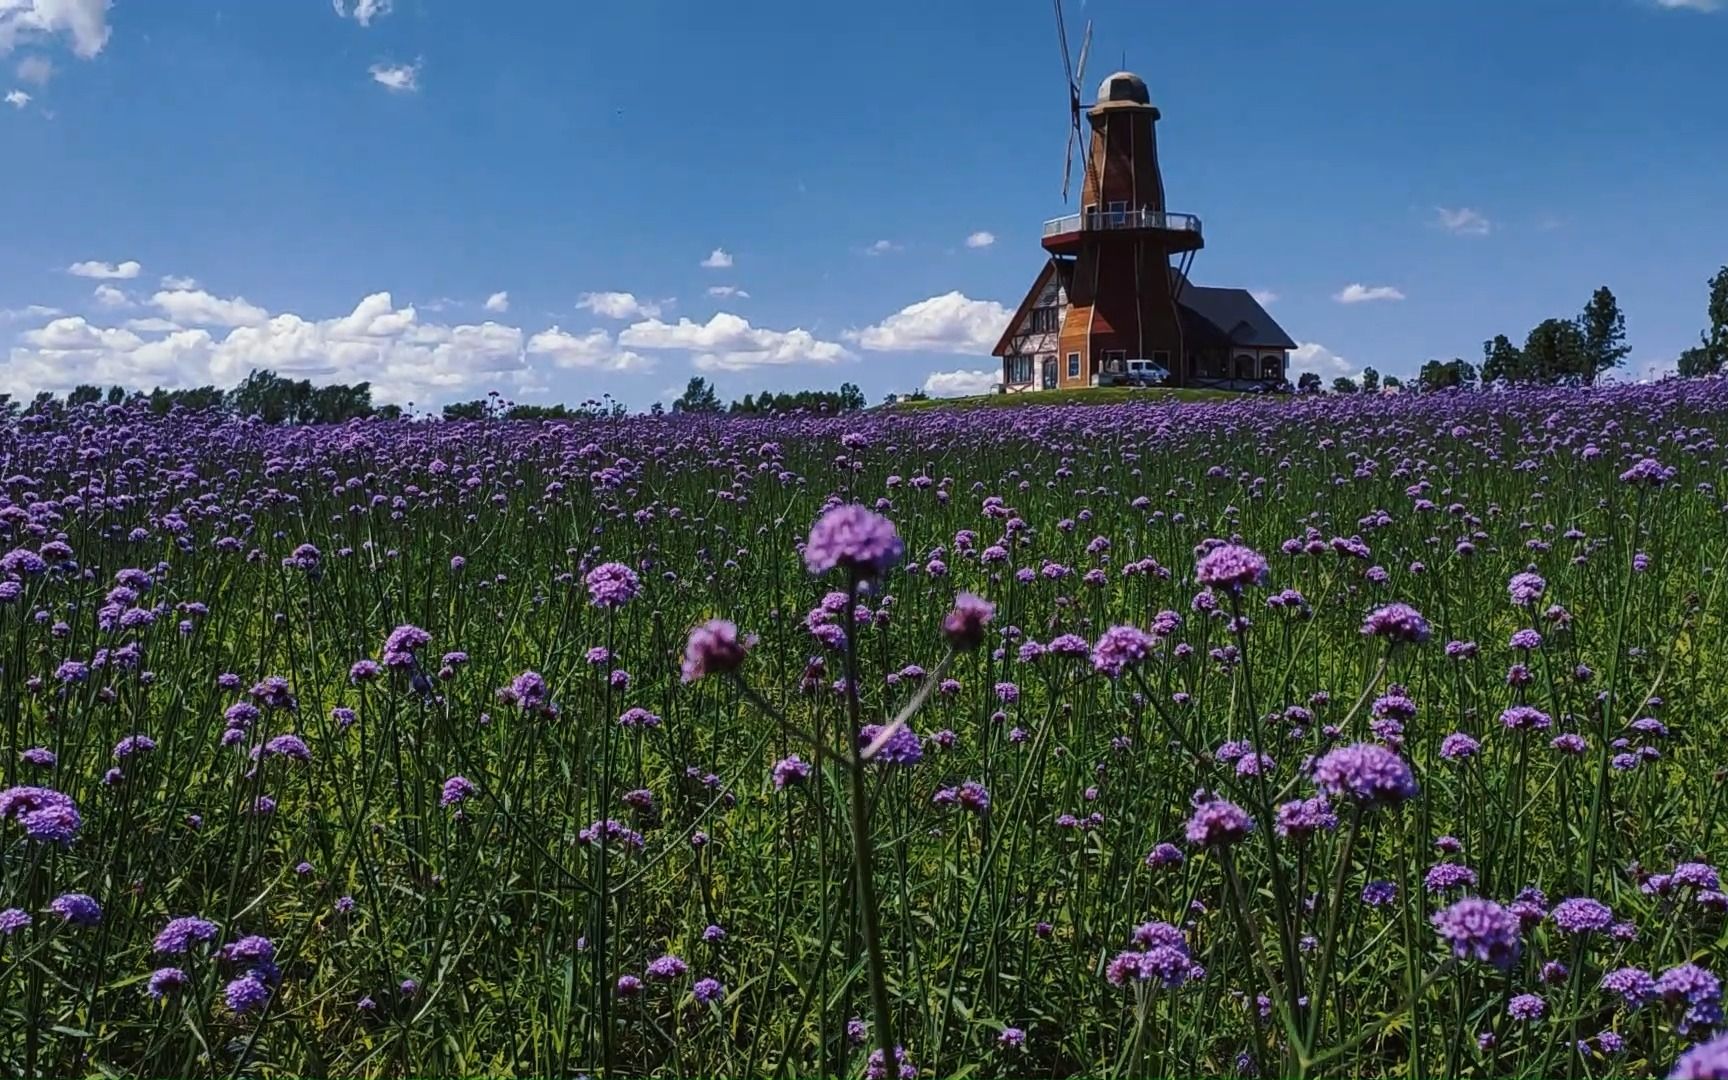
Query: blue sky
(274,168)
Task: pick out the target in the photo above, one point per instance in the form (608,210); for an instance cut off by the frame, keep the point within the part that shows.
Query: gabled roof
(1056,265)
(1231,316)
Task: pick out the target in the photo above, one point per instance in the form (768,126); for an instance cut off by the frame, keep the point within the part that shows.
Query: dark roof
(1230,316)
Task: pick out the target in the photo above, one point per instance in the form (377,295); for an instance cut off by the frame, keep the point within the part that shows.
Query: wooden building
(1113,299)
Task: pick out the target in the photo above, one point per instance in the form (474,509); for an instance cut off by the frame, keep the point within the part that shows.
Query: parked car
(1144,373)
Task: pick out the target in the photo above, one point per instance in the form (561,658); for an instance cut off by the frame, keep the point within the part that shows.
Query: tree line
(1573,352)
(699,396)
(264,394)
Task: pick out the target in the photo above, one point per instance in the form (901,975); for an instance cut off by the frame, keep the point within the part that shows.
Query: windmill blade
(1062,40)
(1080,68)
(1068,162)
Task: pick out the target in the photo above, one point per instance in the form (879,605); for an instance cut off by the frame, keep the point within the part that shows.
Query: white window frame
(1073,365)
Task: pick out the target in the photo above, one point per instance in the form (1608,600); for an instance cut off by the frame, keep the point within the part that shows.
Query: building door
(1049,373)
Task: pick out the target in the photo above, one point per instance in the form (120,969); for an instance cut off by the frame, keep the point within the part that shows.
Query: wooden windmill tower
(1122,288)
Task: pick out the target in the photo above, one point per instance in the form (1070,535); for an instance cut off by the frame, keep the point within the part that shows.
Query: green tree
(1502,361)
(84,394)
(1393,382)
(1711,354)
(1309,383)
(1555,352)
(1370,380)
(466,410)
(698,397)
(1604,330)
(1343,384)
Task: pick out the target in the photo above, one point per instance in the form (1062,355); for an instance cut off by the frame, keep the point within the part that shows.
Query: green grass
(1091,395)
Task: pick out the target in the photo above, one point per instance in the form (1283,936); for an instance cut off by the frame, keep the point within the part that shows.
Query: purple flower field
(1315,737)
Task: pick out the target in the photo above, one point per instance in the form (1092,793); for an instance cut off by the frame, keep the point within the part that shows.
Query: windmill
(1075,71)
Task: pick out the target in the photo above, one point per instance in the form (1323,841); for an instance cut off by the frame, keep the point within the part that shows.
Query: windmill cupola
(1124,87)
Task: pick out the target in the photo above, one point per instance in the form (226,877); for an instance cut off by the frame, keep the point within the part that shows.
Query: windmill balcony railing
(1121,219)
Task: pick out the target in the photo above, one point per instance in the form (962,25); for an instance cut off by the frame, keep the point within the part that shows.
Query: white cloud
(728,290)
(84,21)
(1309,356)
(718,259)
(961,383)
(95,268)
(1689,5)
(1264,297)
(592,350)
(198,308)
(29,311)
(397,78)
(950,323)
(1362,294)
(981,239)
(364,10)
(35,70)
(881,247)
(17,98)
(169,281)
(728,342)
(403,358)
(618,305)
(498,301)
(1462,221)
(152,325)
(110,297)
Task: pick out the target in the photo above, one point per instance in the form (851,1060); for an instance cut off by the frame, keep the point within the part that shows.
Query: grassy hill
(1100,395)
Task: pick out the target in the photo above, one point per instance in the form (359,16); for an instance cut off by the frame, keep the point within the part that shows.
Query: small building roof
(1230,316)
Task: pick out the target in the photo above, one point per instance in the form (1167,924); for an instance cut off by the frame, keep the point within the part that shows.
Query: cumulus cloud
(728,342)
(35,70)
(196,307)
(397,78)
(169,281)
(29,311)
(498,301)
(1310,356)
(881,247)
(1689,5)
(593,350)
(981,239)
(961,383)
(1363,294)
(364,10)
(110,297)
(950,323)
(95,268)
(618,305)
(728,290)
(84,23)
(401,356)
(1462,221)
(17,98)
(718,259)
(1264,297)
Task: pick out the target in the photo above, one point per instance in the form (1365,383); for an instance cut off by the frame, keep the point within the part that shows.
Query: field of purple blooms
(1371,736)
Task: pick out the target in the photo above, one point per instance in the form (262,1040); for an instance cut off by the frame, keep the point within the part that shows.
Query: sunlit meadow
(1319,737)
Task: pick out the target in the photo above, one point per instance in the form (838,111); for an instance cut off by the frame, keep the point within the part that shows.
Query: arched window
(1271,368)
(1244,366)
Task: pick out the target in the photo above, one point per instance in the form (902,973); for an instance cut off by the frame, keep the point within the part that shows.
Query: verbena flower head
(963,626)
(457,789)
(791,770)
(165,981)
(1120,648)
(1526,1007)
(1706,1061)
(612,585)
(178,936)
(78,909)
(1396,623)
(713,649)
(667,967)
(1366,772)
(1635,986)
(46,815)
(1480,929)
(855,539)
(1582,915)
(402,644)
(903,747)
(1218,823)
(1526,588)
(1231,567)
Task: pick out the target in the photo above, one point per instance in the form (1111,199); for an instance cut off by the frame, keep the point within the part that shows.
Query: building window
(1115,360)
(1271,367)
(1044,320)
(1244,367)
(1019,369)
(1118,214)
(1073,365)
